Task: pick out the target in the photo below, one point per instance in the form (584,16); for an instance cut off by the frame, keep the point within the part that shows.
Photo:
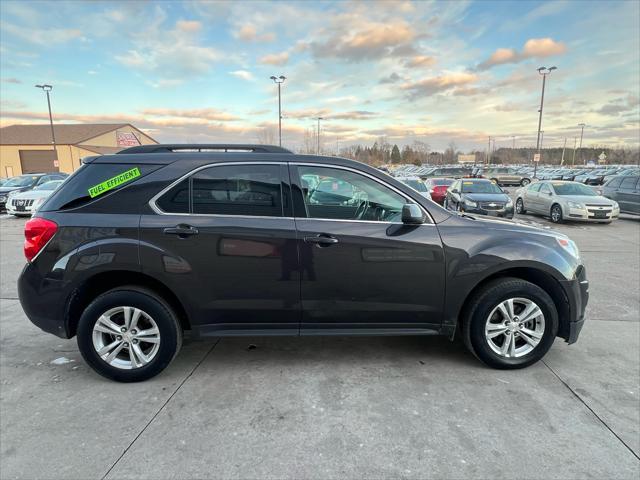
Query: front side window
(346,195)
(628,183)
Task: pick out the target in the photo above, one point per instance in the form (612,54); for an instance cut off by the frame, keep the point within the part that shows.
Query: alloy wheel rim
(519,206)
(515,327)
(126,337)
(555,214)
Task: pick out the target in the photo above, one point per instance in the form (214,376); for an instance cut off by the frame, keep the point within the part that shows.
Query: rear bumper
(577,292)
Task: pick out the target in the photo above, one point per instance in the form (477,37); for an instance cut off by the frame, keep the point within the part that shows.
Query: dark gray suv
(225,240)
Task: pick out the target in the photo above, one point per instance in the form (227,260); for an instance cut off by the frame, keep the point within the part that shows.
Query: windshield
(480,187)
(573,189)
(49,185)
(21,181)
(416,185)
(442,181)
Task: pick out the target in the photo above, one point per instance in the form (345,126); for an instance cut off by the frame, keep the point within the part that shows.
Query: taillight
(37,232)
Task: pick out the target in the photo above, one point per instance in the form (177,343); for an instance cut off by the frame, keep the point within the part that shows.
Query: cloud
(533,48)
(43,37)
(12,80)
(354,39)
(198,114)
(249,33)
(243,74)
(275,59)
(618,106)
(420,61)
(442,83)
(393,78)
(188,26)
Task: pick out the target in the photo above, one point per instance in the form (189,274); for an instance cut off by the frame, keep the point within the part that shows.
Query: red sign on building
(127,139)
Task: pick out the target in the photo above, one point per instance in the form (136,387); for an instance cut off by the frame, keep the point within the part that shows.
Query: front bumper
(14,211)
(592,215)
(577,292)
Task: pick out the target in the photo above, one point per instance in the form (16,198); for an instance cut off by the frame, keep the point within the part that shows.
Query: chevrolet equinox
(138,247)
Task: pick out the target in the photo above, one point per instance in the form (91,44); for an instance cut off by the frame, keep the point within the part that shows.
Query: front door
(362,269)
(224,240)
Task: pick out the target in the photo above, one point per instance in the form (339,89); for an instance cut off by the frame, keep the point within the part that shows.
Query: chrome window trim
(159,211)
(152,202)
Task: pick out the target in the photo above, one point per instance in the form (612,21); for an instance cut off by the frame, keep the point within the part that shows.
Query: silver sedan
(562,201)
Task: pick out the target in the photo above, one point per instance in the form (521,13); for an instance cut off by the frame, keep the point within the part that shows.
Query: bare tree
(267,136)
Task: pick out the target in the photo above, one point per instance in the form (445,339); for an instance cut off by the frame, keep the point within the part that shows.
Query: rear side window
(92,181)
(254,190)
(629,183)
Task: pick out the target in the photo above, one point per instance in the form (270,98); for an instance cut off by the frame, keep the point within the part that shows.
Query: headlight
(470,203)
(569,245)
(3,198)
(509,203)
(575,205)
(615,205)
(12,193)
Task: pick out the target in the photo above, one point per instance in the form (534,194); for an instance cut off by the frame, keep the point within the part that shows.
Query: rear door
(629,194)
(530,197)
(224,240)
(362,269)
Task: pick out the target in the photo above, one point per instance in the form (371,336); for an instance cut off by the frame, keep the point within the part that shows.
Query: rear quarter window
(93,181)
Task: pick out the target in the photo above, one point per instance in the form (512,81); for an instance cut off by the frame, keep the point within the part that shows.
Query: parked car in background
(450,172)
(478,195)
(417,184)
(560,201)
(623,172)
(570,175)
(140,246)
(438,188)
(22,183)
(25,203)
(625,190)
(503,176)
(595,177)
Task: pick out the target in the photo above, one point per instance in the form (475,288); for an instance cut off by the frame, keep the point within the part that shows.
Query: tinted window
(75,190)
(345,195)
(544,188)
(176,199)
(238,190)
(614,182)
(534,187)
(21,181)
(629,183)
(480,187)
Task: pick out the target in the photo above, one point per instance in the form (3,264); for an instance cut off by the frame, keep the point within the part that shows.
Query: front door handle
(322,240)
(183,231)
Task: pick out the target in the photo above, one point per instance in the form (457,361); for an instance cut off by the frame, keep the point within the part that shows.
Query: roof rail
(204,147)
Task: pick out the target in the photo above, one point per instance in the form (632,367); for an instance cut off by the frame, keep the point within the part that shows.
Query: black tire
(154,306)
(483,302)
(555,214)
(520,210)
(524,182)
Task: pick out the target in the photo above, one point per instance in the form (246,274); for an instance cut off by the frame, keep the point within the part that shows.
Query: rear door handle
(322,240)
(183,231)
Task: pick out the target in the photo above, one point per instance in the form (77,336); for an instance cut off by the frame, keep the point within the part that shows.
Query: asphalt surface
(335,407)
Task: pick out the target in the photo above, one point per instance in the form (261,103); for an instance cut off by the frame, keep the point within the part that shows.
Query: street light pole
(47,88)
(279,81)
(544,71)
(581,125)
(318,148)
(563,149)
(489,152)
(575,142)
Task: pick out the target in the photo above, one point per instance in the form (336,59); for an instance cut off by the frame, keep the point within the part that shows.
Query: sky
(435,72)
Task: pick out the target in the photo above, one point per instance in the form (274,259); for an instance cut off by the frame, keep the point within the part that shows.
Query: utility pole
(47,88)
(575,142)
(544,71)
(581,125)
(318,119)
(279,81)
(489,152)
(563,148)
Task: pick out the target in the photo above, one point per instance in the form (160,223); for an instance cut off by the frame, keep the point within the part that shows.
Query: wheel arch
(538,277)
(102,282)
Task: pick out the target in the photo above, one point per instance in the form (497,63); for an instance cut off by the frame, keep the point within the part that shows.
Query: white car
(417,184)
(26,203)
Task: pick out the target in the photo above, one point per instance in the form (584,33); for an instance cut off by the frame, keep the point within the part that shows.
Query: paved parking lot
(406,407)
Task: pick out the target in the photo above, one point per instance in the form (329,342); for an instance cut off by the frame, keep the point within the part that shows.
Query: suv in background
(23,183)
(138,247)
(503,176)
(626,191)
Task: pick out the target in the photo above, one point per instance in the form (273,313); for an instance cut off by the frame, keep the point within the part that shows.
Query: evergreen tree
(395,155)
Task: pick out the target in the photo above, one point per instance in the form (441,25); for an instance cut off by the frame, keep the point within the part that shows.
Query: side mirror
(412,214)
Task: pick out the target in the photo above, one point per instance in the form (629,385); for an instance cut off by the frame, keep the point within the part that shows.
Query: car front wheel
(556,213)
(520,207)
(129,334)
(510,323)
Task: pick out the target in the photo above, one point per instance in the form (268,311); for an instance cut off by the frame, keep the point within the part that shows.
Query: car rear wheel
(129,334)
(525,181)
(520,207)
(510,323)
(556,213)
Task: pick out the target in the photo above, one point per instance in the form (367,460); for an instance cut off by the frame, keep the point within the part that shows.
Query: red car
(438,188)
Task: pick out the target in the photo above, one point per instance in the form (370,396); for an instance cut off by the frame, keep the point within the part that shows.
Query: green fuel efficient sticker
(114,182)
